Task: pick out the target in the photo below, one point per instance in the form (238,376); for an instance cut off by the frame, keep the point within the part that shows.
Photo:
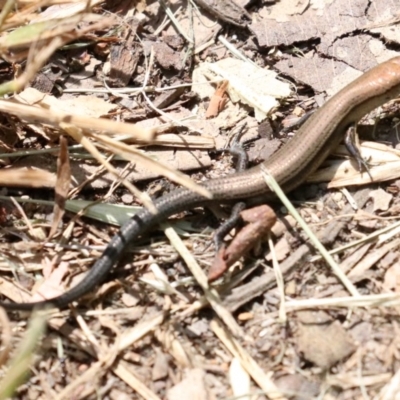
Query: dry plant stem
(127,339)
(21,362)
(24,216)
(235,51)
(55,118)
(271,182)
(128,152)
(149,64)
(25,153)
(62,186)
(391,390)
(201,278)
(163,139)
(32,68)
(86,379)
(88,334)
(96,174)
(124,371)
(166,22)
(24,177)
(191,45)
(279,280)
(349,198)
(375,300)
(130,90)
(81,139)
(375,235)
(26,12)
(5,11)
(175,21)
(6,335)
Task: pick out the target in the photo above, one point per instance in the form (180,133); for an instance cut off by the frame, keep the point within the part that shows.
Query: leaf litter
(158,356)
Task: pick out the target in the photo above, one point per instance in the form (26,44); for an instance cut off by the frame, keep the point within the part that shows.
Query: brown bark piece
(321,342)
(123,60)
(168,97)
(44,82)
(227,11)
(359,271)
(392,277)
(166,57)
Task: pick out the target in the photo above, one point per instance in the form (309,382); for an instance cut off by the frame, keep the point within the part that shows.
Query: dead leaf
(52,284)
(191,387)
(257,87)
(218,100)
(381,199)
(324,343)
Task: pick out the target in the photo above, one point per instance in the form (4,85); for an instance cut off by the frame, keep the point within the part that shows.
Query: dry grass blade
(38,56)
(81,139)
(314,240)
(120,368)
(6,335)
(55,118)
(32,34)
(391,390)
(379,236)
(376,300)
(133,155)
(175,21)
(383,165)
(21,362)
(124,371)
(25,13)
(279,280)
(211,294)
(6,10)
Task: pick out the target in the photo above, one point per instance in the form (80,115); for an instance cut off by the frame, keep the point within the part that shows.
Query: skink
(290,166)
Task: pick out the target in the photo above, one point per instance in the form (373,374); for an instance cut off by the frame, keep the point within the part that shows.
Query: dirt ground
(102,105)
